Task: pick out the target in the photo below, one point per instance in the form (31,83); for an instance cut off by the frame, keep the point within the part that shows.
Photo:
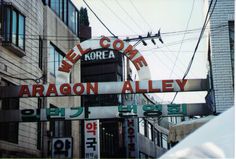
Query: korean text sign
(92,140)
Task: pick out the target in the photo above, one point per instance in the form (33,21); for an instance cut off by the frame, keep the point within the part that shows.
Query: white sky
(130,18)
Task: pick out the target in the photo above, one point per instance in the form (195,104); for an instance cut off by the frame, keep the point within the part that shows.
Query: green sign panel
(99,112)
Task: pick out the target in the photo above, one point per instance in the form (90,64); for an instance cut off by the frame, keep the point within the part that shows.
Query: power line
(129,15)
(178,53)
(201,34)
(99,18)
(117,16)
(31,79)
(36,79)
(76,39)
(199,39)
(140,14)
(65,38)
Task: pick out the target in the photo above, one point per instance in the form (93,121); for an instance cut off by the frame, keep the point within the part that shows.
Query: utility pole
(149,36)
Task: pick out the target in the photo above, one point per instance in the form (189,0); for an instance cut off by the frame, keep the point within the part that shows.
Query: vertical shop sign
(92,140)
(62,147)
(131,137)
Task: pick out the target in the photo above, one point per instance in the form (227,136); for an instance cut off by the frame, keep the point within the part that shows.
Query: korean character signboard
(62,147)
(92,140)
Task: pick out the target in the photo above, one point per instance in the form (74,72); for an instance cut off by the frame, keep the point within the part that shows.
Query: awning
(180,131)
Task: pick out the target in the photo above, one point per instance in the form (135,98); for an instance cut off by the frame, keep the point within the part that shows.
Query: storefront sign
(98,55)
(131,137)
(102,112)
(62,147)
(95,88)
(89,46)
(92,139)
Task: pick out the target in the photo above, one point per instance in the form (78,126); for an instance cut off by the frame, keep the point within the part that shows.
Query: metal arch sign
(95,88)
(75,54)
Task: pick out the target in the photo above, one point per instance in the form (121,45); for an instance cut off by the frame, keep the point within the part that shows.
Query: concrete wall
(40,20)
(56,32)
(24,67)
(220,55)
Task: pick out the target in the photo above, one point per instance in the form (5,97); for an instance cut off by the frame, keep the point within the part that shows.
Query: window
(164,141)
(60,128)
(14,27)
(57,7)
(54,61)
(66,11)
(231,41)
(141,126)
(39,132)
(40,53)
(156,137)
(149,131)
(9,131)
(72,17)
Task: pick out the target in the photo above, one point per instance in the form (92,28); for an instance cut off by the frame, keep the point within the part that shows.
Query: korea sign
(92,139)
(99,55)
(103,112)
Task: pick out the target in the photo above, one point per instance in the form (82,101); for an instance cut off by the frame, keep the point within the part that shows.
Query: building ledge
(16,50)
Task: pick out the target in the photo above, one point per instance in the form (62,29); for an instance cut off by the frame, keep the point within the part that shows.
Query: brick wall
(220,54)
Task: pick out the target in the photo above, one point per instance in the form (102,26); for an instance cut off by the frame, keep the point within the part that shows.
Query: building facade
(19,57)
(104,65)
(222,54)
(35,36)
(127,136)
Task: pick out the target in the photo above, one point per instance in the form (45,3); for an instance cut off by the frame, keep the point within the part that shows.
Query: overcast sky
(131,18)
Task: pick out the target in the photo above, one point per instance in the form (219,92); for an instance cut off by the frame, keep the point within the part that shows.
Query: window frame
(39,127)
(64,14)
(40,62)
(59,52)
(56,61)
(8,26)
(60,128)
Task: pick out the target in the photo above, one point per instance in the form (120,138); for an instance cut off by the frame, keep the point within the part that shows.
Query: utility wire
(36,79)
(190,16)
(140,14)
(199,39)
(166,45)
(65,38)
(99,19)
(202,32)
(129,15)
(114,13)
(32,79)
(77,39)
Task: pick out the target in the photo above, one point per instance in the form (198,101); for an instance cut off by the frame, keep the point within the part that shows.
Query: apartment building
(221,54)
(35,35)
